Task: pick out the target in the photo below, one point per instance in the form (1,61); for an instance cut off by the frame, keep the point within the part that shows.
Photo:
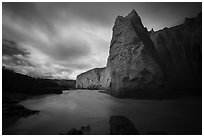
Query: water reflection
(60,113)
(73,109)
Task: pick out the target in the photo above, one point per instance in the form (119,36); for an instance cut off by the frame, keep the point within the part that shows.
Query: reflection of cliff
(147,61)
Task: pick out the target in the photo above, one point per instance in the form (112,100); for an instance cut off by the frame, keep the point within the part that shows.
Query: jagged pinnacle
(132,13)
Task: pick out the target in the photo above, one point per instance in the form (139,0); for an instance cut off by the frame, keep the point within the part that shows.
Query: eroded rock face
(97,78)
(90,79)
(121,125)
(133,60)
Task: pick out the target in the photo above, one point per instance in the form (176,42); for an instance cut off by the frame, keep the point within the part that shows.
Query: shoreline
(12,111)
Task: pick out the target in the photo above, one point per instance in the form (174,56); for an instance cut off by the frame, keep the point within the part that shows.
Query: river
(77,108)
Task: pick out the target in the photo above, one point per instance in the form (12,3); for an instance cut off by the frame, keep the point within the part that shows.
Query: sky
(62,40)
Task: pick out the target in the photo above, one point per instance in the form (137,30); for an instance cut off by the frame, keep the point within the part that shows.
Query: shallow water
(77,108)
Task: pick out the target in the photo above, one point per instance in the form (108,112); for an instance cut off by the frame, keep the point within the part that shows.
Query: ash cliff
(140,61)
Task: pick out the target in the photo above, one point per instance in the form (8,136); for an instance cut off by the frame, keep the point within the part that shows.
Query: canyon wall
(149,61)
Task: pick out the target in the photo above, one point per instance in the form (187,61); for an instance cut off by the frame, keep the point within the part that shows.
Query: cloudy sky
(62,40)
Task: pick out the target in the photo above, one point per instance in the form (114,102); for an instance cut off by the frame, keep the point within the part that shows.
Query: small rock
(74,132)
(120,125)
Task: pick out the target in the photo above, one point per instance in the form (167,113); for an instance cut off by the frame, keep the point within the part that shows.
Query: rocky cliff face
(180,51)
(96,78)
(133,60)
(148,61)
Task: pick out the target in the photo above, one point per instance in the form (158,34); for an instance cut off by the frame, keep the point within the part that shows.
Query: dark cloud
(16,60)
(21,9)
(30,12)
(10,48)
(13,54)
(71,50)
(65,52)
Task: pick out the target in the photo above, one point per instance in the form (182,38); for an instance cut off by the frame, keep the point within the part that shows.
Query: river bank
(12,110)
